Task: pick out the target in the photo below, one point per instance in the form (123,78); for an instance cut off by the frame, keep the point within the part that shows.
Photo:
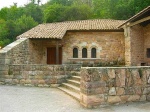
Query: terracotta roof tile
(58,30)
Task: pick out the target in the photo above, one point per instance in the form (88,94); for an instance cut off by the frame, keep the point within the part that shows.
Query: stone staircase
(72,87)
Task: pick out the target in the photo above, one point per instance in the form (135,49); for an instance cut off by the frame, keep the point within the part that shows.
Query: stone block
(148,81)
(143,98)
(19,77)
(148,97)
(40,85)
(38,77)
(4,67)
(120,91)
(5,76)
(136,77)
(3,55)
(22,81)
(138,90)
(111,73)
(41,82)
(129,91)
(53,81)
(134,98)
(15,81)
(114,99)
(3,72)
(34,82)
(5,61)
(120,77)
(8,81)
(27,81)
(124,98)
(112,91)
(94,100)
(96,84)
(101,90)
(144,77)
(146,90)
(111,83)
(54,85)
(129,80)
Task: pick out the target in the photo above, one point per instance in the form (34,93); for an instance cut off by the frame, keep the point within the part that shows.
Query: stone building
(49,54)
(137,38)
(96,42)
(85,41)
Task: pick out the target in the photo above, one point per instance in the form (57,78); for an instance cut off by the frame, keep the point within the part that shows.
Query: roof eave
(135,16)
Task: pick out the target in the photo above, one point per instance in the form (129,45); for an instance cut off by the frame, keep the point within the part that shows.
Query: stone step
(71,87)
(74,82)
(71,93)
(77,78)
(77,73)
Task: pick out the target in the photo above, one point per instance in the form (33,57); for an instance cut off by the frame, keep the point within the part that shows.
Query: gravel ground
(33,99)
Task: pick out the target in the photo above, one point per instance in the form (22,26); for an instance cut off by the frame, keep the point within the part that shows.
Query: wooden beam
(57,52)
(140,21)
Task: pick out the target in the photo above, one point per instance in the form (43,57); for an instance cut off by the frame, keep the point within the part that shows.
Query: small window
(148,52)
(75,52)
(93,53)
(84,53)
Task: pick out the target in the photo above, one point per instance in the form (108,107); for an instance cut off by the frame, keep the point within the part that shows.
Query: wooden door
(51,55)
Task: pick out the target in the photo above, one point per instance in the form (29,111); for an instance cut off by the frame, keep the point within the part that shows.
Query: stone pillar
(57,52)
(92,88)
(127,46)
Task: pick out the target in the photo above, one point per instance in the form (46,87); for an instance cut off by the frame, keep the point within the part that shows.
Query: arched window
(93,53)
(75,52)
(84,53)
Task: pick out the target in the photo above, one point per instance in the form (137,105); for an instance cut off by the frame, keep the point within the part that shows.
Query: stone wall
(146,43)
(38,49)
(112,85)
(137,45)
(16,53)
(37,75)
(109,46)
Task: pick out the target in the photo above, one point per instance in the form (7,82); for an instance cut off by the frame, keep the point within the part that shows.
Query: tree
(62,2)
(3,33)
(75,12)
(34,11)
(23,24)
(54,13)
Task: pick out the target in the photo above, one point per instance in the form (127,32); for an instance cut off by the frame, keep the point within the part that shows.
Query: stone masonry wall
(112,85)
(16,53)
(146,42)
(37,75)
(137,45)
(109,46)
(38,50)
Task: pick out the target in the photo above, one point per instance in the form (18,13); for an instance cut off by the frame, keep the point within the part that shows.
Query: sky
(8,3)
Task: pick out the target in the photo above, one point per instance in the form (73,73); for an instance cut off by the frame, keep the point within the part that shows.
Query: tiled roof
(58,30)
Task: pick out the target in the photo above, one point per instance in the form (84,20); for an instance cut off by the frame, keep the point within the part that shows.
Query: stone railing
(113,85)
(37,75)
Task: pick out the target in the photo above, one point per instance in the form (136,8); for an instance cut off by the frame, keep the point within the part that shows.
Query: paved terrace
(33,99)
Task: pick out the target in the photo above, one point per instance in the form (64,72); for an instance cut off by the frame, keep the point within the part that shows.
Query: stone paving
(34,99)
